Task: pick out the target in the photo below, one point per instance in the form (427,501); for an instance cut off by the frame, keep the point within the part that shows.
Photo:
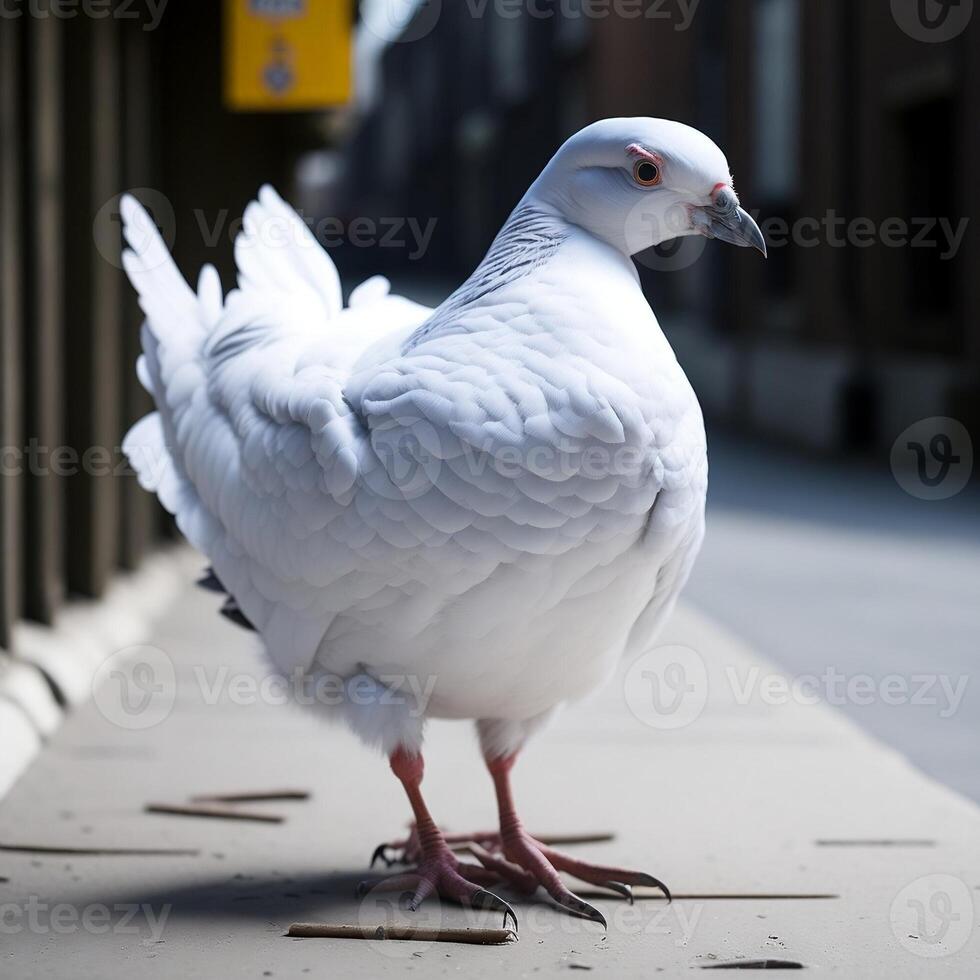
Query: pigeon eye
(646,174)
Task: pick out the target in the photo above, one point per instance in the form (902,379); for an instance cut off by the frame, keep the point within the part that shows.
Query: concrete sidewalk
(706,779)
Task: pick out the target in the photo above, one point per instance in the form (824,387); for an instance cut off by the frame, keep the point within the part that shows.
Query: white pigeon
(466,512)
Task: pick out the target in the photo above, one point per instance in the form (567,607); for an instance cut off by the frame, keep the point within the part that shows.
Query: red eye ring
(646,173)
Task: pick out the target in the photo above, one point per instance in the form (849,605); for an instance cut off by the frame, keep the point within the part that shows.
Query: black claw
(211,582)
(482,899)
(620,889)
(231,610)
(650,882)
(576,906)
(363,887)
(381,854)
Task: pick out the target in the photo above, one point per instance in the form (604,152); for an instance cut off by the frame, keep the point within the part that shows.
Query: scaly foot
(526,863)
(440,872)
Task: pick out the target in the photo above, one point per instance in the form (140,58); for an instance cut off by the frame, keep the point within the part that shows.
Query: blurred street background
(840,379)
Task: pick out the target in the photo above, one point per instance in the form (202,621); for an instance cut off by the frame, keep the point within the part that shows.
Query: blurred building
(853,141)
(830,112)
(91,106)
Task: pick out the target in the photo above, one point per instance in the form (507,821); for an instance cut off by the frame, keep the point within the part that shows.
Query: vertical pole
(94,283)
(137,508)
(43,208)
(10,326)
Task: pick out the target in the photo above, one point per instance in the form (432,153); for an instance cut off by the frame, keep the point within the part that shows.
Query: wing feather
(340,479)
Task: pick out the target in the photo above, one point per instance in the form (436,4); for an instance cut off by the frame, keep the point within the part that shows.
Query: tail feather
(277,251)
(170,367)
(170,306)
(143,374)
(145,447)
(209,294)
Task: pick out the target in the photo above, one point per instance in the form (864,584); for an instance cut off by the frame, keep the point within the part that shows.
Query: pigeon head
(635,183)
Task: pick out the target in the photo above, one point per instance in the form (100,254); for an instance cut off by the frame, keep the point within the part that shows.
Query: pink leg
(526,860)
(439,870)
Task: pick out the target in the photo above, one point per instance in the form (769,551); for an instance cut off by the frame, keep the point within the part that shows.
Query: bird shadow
(243,896)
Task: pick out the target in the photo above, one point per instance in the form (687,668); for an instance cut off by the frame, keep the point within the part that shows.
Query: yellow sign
(286,55)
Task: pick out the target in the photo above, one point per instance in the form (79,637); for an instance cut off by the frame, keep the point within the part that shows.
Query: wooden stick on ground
(219,812)
(558,840)
(101,851)
(705,897)
(551,840)
(254,797)
(326,930)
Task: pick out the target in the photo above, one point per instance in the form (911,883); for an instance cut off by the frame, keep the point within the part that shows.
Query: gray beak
(727,222)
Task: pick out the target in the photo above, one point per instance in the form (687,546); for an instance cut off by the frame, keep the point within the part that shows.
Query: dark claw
(363,887)
(381,854)
(650,882)
(230,610)
(619,888)
(482,899)
(211,582)
(576,906)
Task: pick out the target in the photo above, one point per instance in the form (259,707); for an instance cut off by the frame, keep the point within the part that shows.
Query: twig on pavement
(326,930)
(218,812)
(253,797)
